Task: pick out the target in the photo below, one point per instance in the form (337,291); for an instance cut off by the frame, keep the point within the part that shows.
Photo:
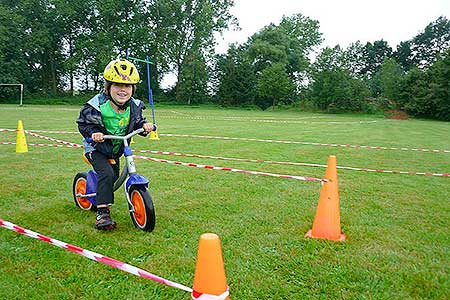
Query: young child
(113,112)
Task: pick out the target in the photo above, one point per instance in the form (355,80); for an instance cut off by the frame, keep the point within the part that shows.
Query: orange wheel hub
(139,209)
(81,189)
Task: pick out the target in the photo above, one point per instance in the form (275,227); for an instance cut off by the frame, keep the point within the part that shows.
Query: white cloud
(341,22)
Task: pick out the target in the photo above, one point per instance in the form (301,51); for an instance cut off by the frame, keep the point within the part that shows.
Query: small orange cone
(21,141)
(209,279)
(327,222)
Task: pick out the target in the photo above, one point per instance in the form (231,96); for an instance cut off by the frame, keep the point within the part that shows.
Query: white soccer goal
(15,84)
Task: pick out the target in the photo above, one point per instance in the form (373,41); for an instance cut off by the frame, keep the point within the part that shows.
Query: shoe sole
(106,227)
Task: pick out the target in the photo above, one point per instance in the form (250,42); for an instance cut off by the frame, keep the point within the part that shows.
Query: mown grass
(397,225)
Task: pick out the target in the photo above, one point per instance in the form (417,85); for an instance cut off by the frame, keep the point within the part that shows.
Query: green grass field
(397,225)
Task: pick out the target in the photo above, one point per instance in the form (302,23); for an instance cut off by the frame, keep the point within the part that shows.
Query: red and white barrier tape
(40,131)
(303,143)
(291,163)
(44,145)
(268,120)
(55,131)
(94,256)
(231,169)
(303,178)
(396,172)
(267,141)
(178,113)
(72,145)
(245,118)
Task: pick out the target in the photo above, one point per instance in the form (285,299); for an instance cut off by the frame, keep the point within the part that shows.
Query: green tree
(71,21)
(354,59)
(42,44)
(236,79)
(273,86)
(390,77)
(192,87)
(434,40)
(330,59)
(439,87)
(333,88)
(303,36)
(426,93)
(289,43)
(414,96)
(336,90)
(111,28)
(13,63)
(267,47)
(403,55)
(188,25)
(374,57)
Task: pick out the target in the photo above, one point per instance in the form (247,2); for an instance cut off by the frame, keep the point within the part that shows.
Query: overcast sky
(341,21)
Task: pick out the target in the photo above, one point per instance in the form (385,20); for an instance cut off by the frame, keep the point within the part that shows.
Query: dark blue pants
(107,174)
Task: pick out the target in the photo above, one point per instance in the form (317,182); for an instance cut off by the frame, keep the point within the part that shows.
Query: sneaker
(103,220)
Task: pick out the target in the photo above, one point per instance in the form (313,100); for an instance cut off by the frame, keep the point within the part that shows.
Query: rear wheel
(142,211)
(79,187)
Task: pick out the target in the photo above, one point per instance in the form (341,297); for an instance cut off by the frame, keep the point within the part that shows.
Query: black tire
(142,212)
(79,187)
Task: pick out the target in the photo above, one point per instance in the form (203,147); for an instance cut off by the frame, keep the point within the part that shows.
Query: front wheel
(79,187)
(142,211)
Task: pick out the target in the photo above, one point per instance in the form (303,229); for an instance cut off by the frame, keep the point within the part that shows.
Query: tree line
(273,67)
(49,45)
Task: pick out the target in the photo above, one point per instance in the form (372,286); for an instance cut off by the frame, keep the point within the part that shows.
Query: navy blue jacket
(90,121)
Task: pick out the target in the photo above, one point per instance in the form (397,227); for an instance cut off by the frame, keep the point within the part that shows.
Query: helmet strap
(120,106)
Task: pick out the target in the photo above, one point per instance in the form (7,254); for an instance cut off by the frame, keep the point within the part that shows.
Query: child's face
(121,93)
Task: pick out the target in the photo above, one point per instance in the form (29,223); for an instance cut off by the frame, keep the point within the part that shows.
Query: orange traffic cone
(327,222)
(21,141)
(209,279)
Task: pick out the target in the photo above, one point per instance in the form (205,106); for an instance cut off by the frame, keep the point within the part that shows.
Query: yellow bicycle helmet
(121,71)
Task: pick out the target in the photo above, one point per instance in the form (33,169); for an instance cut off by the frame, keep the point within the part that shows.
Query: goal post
(20,87)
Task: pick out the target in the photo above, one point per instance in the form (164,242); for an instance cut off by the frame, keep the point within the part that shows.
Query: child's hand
(98,137)
(148,127)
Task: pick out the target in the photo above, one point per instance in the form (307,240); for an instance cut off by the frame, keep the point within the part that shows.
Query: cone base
(224,296)
(341,238)
(154,135)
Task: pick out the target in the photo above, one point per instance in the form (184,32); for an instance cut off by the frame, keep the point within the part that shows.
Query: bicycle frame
(128,175)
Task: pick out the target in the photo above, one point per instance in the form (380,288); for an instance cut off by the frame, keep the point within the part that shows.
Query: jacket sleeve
(89,121)
(140,119)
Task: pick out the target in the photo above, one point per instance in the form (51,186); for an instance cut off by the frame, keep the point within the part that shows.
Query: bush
(337,91)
